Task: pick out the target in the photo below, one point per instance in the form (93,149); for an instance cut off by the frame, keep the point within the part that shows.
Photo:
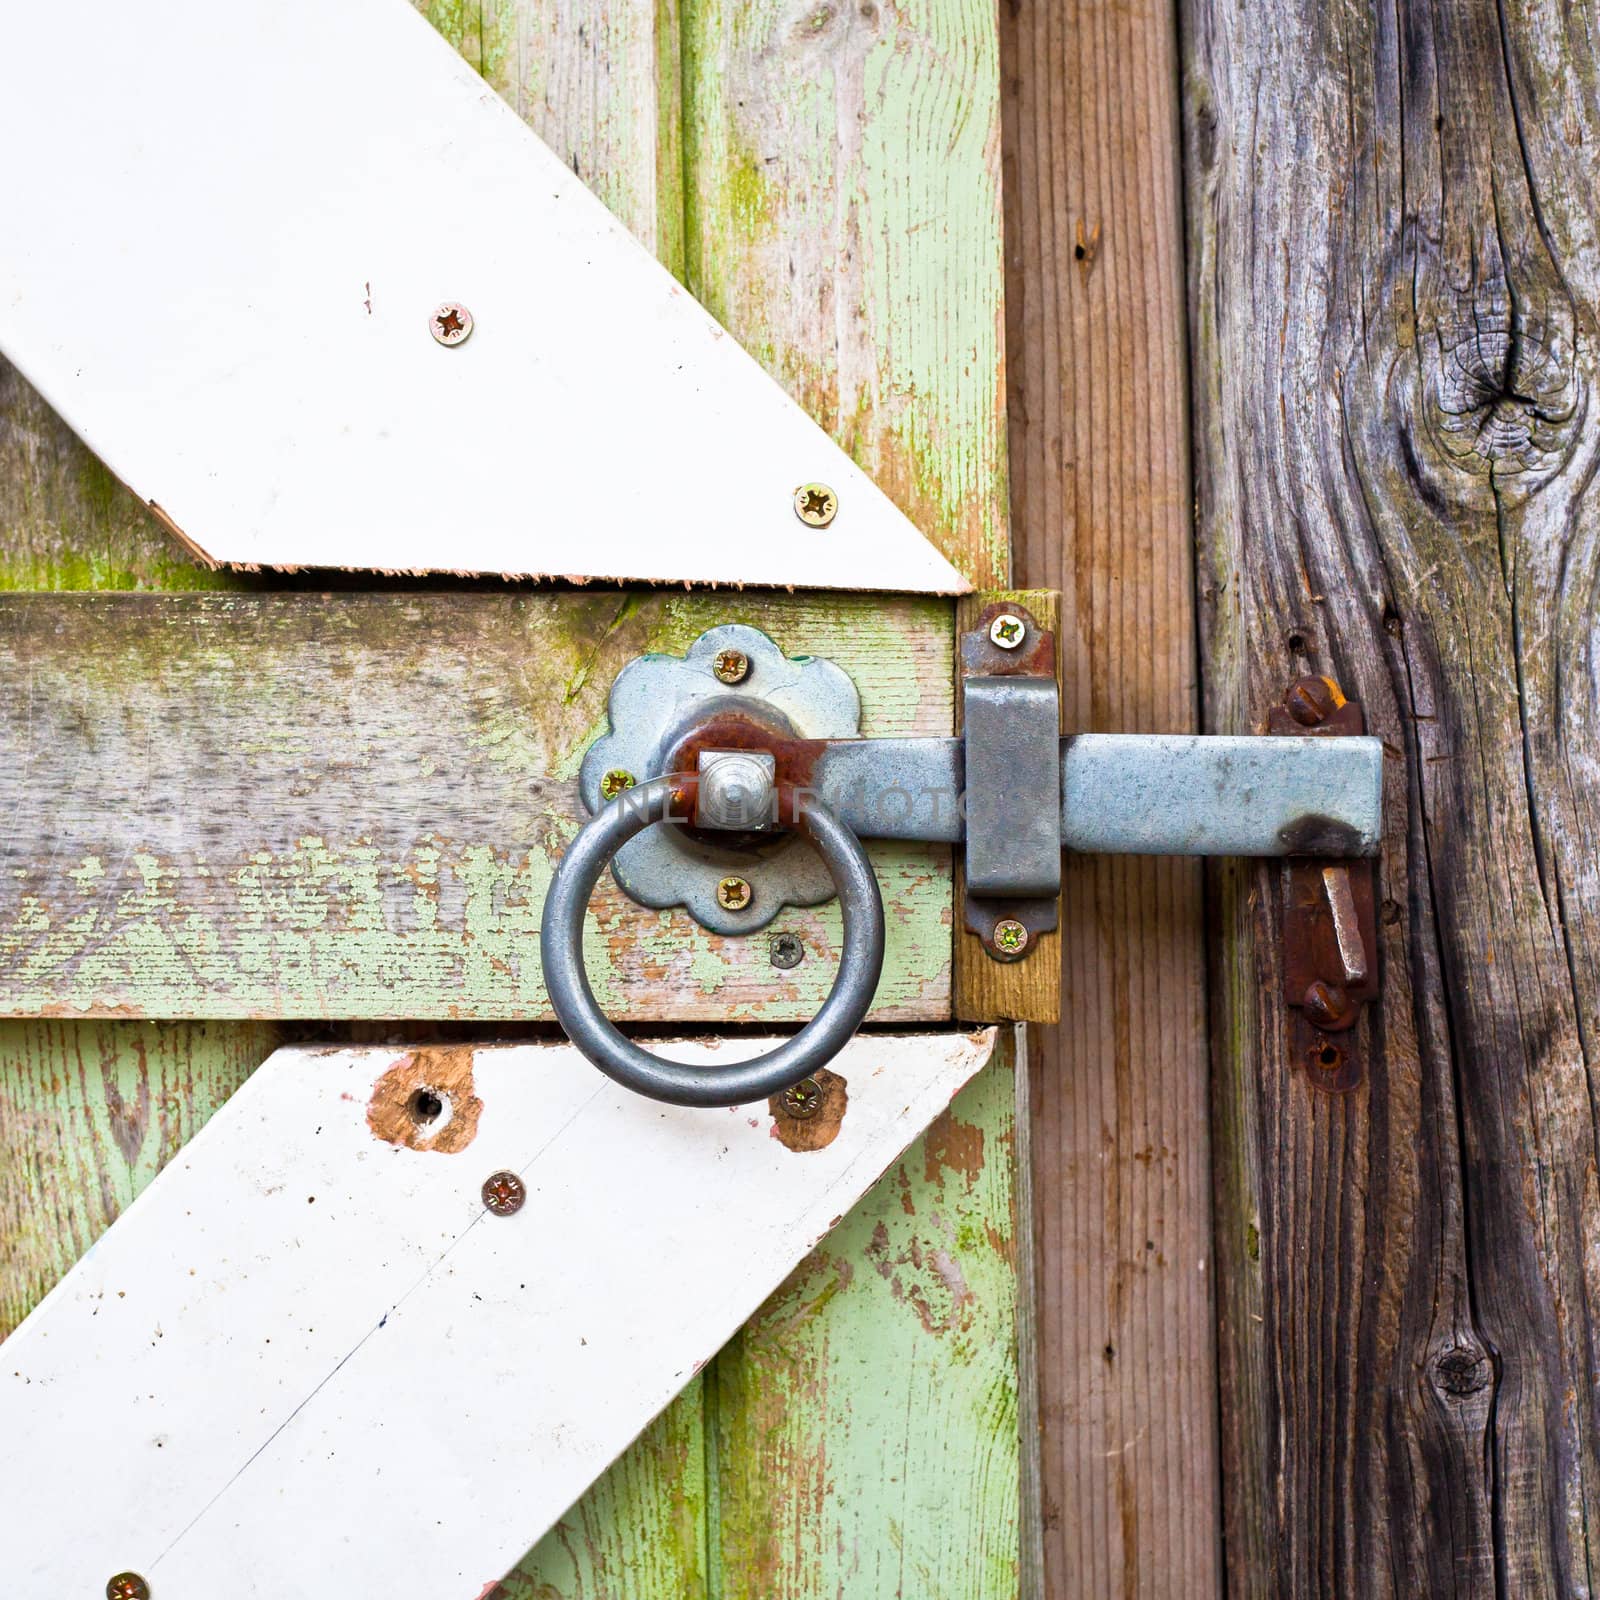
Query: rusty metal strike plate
(1330,946)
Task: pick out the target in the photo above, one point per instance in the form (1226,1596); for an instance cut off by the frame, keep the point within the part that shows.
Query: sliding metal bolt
(614,782)
(450,323)
(504,1193)
(803,1099)
(1007,630)
(127,1586)
(815,504)
(733,894)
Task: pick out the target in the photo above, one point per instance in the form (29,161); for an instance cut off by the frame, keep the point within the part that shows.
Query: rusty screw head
(815,504)
(614,782)
(1310,701)
(504,1193)
(1008,630)
(731,666)
(1326,1004)
(786,950)
(734,894)
(127,1586)
(803,1099)
(1010,937)
(450,323)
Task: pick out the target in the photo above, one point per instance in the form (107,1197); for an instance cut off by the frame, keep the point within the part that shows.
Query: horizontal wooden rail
(350,805)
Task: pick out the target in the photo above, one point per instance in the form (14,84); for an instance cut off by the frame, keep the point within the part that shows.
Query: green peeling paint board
(853,151)
(350,805)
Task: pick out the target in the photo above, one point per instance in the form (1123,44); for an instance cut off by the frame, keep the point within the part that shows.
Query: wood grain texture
(1394,293)
(598,81)
(1100,495)
(866,1418)
(89,1113)
(350,806)
(843,222)
(981,987)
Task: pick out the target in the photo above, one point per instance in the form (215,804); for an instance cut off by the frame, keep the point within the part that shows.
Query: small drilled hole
(1330,1056)
(1296,643)
(425,1107)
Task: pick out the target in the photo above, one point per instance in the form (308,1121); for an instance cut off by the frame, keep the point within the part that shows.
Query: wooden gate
(861,1431)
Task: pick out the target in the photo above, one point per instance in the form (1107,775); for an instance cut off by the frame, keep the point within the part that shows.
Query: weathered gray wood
(350,806)
(1395,279)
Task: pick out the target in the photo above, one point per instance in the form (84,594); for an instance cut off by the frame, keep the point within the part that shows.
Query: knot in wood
(1504,396)
(1461,1370)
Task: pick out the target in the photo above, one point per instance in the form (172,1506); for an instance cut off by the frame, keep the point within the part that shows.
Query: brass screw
(815,504)
(127,1586)
(731,666)
(803,1099)
(733,894)
(614,782)
(504,1193)
(1007,630)
(450,323)
(1010,936)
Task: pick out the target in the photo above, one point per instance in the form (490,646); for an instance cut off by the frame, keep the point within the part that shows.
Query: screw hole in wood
(425,1107)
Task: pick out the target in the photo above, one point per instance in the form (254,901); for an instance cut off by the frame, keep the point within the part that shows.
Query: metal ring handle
(561,950)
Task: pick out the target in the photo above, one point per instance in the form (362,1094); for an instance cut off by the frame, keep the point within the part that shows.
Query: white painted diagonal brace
(223,275)
(307,1362)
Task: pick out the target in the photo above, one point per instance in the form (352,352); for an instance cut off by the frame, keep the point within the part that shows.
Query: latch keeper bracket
(1330,948)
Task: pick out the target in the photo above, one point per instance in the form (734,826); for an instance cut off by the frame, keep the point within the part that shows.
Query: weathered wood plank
(350,806)
(1395,294)
(597,80)
(1099,463)
(843,222)
(867,1417)
(89,1113)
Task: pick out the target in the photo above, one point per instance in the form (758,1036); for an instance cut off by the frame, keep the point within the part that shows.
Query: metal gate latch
(734,782)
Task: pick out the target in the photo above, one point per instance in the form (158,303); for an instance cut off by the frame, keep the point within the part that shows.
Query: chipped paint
(426,1101)
(818,1131)
(888,1358)
(365,875)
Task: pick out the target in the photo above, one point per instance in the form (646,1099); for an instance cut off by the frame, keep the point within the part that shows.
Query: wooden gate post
(1101,509)
(1394,281)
